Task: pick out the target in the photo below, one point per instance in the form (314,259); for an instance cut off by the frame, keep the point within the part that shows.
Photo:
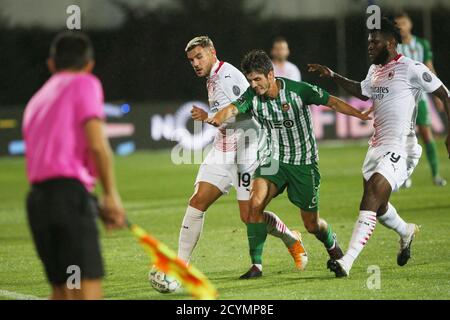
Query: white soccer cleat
(405,244)
(439,181)
(407,184)
(338,267)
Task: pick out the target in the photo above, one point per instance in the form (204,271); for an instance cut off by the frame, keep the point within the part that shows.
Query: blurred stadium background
(149,88)
(147,79)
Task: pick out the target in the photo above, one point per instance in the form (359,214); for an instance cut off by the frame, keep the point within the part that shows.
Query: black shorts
(62,217)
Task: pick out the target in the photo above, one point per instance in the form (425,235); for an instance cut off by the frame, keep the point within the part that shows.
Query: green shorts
(302,183)
(423,117)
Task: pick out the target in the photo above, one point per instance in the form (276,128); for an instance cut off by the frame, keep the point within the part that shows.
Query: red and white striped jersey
(226,84)
(396,89)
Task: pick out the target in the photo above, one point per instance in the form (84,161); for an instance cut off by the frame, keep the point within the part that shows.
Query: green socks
(256,233)
(430,148)
(326,237)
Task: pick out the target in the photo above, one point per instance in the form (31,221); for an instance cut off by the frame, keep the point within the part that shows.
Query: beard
(382,57)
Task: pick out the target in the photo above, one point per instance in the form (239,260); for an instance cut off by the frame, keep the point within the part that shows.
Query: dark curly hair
(256,61)
(388,28)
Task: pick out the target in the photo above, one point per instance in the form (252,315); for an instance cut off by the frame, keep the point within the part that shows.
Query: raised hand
(198,113)
(322,70)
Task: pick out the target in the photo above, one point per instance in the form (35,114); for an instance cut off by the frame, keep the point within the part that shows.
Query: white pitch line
(18,296)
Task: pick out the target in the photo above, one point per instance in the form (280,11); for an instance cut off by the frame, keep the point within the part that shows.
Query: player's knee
(256,205)
(372,199)
(245,216)
(255,214)
(311,226)
(383,209)
(198,202)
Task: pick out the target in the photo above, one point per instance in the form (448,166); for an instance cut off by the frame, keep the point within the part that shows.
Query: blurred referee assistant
(66,150)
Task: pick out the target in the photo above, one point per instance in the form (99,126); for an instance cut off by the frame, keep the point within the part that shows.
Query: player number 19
(244,179)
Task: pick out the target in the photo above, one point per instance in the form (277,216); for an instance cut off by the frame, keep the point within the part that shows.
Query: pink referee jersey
(53,128)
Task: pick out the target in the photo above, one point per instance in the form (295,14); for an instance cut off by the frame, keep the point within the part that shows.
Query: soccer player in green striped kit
(419,49)
(288,155)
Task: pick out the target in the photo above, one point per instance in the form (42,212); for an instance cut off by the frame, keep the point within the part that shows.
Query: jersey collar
(397,57)
(216,67)
(281,92)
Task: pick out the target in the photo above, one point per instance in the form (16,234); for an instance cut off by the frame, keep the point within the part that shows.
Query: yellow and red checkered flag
(167,261)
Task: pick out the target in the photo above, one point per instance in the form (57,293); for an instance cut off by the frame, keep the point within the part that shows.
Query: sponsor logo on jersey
(380,89)
(288,123)
(379,92)
(236,91)
(279,124)
(426,77)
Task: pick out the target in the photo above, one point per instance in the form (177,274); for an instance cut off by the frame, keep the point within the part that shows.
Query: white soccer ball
(162,282)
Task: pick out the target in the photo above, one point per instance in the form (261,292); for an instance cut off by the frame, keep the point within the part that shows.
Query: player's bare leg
(89,290)
(244,210)
(323,232)
(376,194)
(204,196)
(261,223)
(430,148)
(375,201)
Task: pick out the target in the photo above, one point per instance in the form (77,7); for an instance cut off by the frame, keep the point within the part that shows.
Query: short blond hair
(202,41)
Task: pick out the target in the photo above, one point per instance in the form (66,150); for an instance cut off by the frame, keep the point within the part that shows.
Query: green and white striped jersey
(286,121)
(418,49)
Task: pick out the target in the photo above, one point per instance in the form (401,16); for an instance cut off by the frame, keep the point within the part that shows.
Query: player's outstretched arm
(351,86)
(341,106)
(223,115)
(442,94)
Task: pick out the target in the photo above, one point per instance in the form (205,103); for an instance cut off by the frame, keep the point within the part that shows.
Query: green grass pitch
(155,193)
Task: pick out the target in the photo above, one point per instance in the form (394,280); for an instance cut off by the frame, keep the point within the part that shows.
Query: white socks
(277,228)
(191,229)
(393,221)
(361,233)
(259,266)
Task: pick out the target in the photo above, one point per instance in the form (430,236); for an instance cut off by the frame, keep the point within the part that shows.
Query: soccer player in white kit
(281,66)
(395,84)
(231,161)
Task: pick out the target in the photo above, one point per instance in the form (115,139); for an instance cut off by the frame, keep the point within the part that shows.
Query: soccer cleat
(335,252)
(252,273)
(298,252)
(439,181)
(338,267)
(407,184)
(405,245)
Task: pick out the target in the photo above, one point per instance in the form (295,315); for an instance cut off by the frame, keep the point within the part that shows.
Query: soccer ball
(162,282)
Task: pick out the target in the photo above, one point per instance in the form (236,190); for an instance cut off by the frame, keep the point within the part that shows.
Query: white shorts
(224,171)
(391,163)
